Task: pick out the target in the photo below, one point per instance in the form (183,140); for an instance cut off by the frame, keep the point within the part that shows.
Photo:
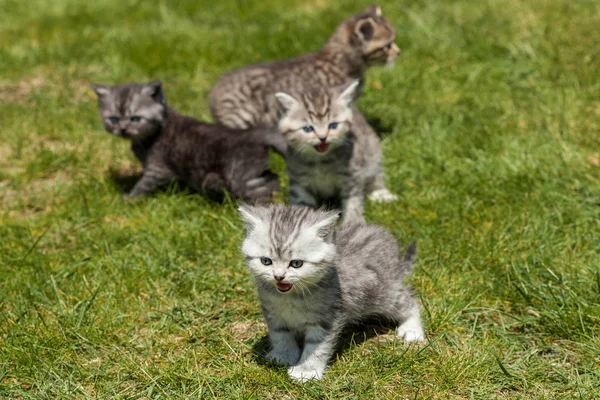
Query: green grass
(493,115)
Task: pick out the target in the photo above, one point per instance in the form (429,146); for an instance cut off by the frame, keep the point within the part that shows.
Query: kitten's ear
(374,9)
(248,215)
(349,93)
(101,90)
(154,90)
(286,101)
(325,228)
(365,28)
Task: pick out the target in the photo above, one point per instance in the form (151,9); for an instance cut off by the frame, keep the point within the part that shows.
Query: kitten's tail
(273,139)
(408,261)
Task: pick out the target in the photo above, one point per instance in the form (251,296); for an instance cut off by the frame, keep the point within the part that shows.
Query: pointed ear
(374,9)
(248,214)
(154,90)
(100,90)
(286,101)
(365,28)
(349,93)
(325,227)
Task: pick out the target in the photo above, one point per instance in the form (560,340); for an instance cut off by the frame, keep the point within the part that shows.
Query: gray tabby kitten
(245,97)
(328,160)
(210,158)
(313,279)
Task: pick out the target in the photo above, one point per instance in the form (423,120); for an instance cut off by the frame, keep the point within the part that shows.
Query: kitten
(245,97)
(329,162)
(210,158)
(313,279)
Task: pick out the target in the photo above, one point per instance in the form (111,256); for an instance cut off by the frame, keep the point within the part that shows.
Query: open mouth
(322,147)
(284,287)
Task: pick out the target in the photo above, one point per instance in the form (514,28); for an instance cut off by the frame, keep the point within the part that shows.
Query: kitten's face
(317,121)
(288,249)
(374,36)
(133,111)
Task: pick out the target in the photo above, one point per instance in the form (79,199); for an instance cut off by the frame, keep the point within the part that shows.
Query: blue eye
(266,260)
(308,128)
(296,263)
(114,120)
(333,125)
(135,118)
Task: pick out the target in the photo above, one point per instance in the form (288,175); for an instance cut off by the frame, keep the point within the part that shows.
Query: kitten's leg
(299,195)
(353,201)
(319,344)
(378,192)
(284,350)
(262,187)
(411,329)
(153,177)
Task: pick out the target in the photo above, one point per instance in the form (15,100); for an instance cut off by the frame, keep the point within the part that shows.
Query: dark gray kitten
(314,278)
(210,158)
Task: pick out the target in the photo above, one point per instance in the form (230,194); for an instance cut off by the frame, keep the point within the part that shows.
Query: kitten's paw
(303,374)
(382,196)
(411,331)
(285,357)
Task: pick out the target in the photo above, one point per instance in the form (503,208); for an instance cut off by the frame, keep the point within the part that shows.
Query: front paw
(382,196)
(287,357)
(303,374)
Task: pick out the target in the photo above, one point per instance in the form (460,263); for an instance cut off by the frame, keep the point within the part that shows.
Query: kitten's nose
(279,278)
(323,139)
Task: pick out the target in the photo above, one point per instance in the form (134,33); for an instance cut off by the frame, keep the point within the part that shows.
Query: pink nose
(279,278)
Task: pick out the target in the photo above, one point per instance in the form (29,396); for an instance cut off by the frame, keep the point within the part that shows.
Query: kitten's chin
(284,287)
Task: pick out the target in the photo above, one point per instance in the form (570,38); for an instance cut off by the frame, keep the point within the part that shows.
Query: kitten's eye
(266,260)
(308,128)
(296,263)
(135,118)
(114,120)
(333,125)
(388,46)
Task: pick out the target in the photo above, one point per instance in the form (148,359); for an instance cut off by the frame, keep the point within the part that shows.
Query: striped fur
(342,174)
(348,273)
(244,98)
(210,158)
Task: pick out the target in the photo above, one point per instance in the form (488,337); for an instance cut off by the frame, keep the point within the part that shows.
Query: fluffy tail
(273,139)
(408,261)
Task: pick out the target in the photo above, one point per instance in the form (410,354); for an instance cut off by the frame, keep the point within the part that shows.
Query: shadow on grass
(126,181)
(353,335)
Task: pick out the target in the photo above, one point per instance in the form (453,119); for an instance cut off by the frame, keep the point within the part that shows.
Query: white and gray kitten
(313,279)
(329,161)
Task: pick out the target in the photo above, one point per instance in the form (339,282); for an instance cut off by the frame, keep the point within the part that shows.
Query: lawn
(491,117)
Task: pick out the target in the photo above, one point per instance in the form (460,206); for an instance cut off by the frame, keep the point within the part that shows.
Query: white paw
(382,196)
(302,374)
(411,331)
(289,356)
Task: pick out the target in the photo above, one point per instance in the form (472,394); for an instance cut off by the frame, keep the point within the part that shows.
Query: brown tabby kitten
(246,97)
(208,157)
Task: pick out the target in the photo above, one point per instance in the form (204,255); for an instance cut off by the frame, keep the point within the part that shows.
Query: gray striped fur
(348,170)
(349,273)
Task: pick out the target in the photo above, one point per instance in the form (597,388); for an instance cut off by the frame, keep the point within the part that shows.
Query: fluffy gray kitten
(328,160)
(208,157)
(314,278)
